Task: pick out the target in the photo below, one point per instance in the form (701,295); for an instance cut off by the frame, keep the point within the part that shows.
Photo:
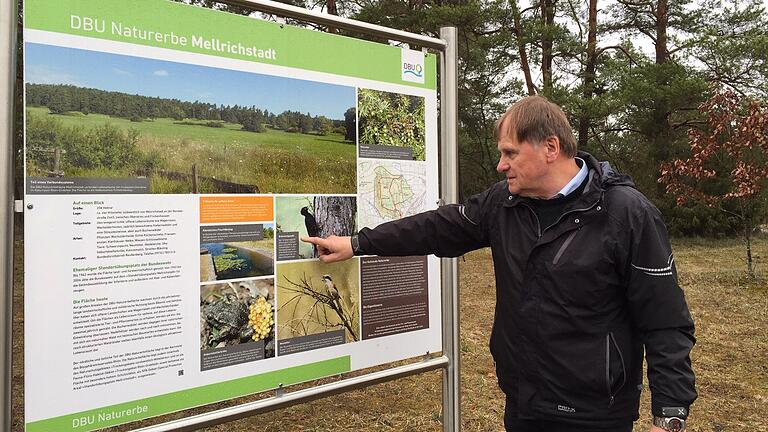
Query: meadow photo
(187,128)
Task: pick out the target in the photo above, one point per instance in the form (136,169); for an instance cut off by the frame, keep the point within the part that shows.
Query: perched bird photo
(330,287)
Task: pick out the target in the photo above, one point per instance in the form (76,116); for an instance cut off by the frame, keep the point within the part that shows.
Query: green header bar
(181,400)
(181,27)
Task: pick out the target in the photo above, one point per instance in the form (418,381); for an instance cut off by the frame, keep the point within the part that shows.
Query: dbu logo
(83,421)
(412,63)
(413,69)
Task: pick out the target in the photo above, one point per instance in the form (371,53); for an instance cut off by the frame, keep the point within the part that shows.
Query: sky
(47,64)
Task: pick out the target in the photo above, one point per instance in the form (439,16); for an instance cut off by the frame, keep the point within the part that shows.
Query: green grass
(274,160)
(266,244)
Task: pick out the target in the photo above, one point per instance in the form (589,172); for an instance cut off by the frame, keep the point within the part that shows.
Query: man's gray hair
(534,119)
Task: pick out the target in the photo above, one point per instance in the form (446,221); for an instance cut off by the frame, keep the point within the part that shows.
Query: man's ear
(552,146)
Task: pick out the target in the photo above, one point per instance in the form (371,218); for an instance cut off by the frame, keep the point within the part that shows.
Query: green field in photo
(275,161)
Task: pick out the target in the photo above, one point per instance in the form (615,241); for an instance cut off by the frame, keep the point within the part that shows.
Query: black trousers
(518,425)
(514,424)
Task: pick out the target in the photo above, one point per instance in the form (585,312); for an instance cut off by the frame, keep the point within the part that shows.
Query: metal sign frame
(448,151)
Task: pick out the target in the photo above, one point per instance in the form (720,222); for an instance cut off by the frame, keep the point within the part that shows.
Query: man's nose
(502,166)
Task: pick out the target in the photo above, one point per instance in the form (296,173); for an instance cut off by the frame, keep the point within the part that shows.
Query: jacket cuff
(661,407)
(359,244)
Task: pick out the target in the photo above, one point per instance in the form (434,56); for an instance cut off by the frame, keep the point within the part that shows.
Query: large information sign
(174,155)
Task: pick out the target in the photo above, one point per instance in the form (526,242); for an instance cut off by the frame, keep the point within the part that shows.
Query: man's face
(524,164)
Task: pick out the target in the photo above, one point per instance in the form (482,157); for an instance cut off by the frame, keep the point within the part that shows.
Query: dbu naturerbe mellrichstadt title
(97,25)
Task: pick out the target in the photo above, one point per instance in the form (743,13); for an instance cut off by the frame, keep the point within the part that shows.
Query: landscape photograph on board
(185,128)
(243,251)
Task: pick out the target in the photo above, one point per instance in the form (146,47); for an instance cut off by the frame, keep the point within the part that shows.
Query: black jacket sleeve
(449,231)
(660,313)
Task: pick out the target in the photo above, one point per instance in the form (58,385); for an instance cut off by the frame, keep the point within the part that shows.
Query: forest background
(672,92)
(632,76)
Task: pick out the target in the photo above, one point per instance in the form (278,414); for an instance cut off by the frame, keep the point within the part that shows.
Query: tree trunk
(585,121)
(548,19)
(335,215)
(748,241)
(662,22)
(330,7)
(662,139)
(521,49)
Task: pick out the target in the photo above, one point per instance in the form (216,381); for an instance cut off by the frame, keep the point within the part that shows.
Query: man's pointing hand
(332,249)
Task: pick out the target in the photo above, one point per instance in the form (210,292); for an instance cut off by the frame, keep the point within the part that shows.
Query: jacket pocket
(613,354)
(564,246)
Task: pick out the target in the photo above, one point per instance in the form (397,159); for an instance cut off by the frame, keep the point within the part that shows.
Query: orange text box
(236,209)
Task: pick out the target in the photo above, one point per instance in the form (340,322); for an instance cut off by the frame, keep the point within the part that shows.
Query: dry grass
(730,358)
(731,315)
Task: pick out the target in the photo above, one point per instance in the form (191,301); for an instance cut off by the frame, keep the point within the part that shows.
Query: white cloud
(44,74)
(121,72)
(160,73)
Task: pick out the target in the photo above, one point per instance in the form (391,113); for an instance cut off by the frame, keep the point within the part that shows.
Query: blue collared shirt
(575,181)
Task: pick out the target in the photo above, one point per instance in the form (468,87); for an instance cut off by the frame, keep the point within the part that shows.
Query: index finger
(314,240)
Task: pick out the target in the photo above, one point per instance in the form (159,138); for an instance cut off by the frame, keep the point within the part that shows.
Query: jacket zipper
(573,211)
(608,368)
(538,223)
(564,246)
(539,232)
(609,338)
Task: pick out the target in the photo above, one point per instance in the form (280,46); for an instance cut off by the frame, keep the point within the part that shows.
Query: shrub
(101,147)
(392,119)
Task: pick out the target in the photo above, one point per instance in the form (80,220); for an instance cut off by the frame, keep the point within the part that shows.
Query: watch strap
(671,424)
(355,245)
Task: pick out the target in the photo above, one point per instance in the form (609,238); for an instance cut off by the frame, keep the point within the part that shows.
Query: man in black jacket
(585,281)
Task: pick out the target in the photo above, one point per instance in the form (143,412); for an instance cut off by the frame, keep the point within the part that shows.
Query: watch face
(675,425)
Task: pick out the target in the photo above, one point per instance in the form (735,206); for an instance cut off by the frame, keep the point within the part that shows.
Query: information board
(174,155)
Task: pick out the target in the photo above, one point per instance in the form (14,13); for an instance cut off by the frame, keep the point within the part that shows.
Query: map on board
(390,190)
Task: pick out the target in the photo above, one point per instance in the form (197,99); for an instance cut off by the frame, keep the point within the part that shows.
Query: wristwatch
(355,245)
(671,424)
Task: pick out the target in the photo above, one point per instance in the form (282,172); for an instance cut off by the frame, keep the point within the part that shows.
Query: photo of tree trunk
(315,216)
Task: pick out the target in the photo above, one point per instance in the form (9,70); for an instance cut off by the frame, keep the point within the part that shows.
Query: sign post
(450,192)
(8,30)
(172,160)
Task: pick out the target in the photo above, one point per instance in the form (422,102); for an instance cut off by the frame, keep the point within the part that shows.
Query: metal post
(284,400)
(288,11)
(8,20)
(449,172)
(194,179)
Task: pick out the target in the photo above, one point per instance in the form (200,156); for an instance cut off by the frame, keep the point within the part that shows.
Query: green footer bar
(185,399)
